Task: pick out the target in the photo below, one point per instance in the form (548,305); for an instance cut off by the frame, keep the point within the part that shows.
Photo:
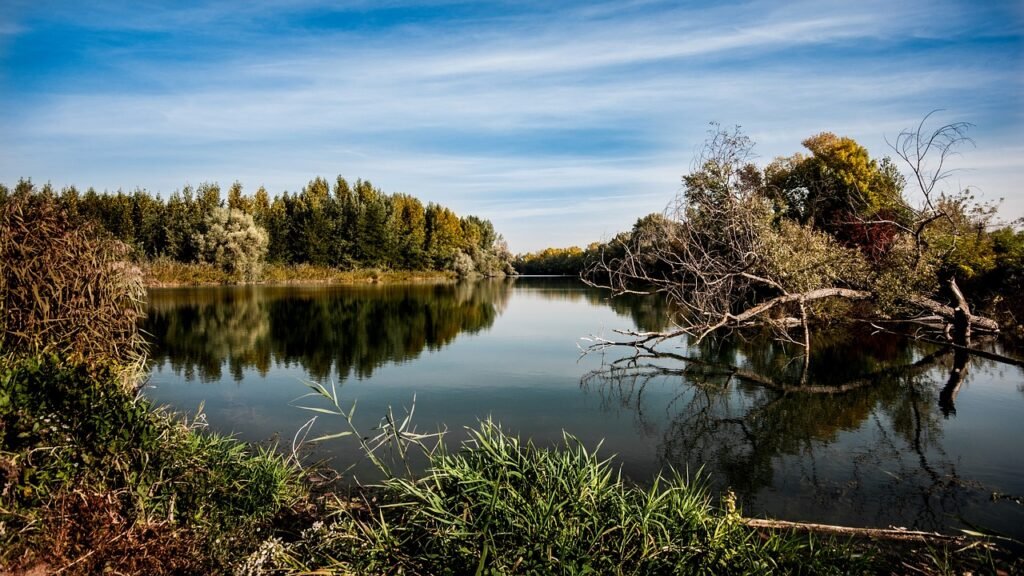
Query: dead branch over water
(806,240)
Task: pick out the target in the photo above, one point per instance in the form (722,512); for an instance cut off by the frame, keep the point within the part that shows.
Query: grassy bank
(93,479)
(162,272)
(502,506)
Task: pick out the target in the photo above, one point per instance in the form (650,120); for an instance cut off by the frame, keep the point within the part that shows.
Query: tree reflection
(344,330)
(861,431)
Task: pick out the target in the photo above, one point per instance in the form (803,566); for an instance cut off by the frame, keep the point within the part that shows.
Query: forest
(344,226)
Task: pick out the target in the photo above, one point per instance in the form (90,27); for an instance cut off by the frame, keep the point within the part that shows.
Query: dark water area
(879,431)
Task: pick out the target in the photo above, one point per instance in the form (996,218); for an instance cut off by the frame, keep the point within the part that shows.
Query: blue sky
(560,122)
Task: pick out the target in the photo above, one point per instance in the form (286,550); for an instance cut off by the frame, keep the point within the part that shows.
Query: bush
(463,264)
(233,242)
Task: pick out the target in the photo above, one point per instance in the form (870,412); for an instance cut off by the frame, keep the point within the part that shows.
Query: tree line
(343,225)
(556,261)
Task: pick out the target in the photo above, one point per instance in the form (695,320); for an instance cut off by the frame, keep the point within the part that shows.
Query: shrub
(463,264)
(233,242)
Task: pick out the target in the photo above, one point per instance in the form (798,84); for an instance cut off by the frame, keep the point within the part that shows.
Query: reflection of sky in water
(880,455)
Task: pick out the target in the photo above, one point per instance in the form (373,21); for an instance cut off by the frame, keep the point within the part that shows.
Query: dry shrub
(65,288)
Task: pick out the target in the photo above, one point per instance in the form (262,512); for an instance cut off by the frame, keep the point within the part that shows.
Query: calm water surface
(902,444)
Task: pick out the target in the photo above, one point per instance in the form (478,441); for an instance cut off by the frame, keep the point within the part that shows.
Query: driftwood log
(888,534)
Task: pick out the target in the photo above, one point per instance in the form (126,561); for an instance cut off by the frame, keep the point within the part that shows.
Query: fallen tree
(807,239)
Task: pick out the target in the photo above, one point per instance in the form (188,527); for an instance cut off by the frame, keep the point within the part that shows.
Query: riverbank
(163,273)
(93,479)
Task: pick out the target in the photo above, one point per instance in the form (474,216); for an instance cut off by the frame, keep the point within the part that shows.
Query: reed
(500,505)
(66,289)
(166,272)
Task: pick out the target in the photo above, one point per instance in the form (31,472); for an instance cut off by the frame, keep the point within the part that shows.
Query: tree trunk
(961,316)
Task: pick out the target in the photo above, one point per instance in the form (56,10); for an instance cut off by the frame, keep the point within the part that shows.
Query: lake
(888,435)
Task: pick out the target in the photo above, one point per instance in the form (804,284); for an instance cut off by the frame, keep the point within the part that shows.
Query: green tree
(411,234)
(261,206)
(444,236)
(376,237)
(208,197)
(278,229)
(237,200)
(313,218)
(838,186)
(149,214)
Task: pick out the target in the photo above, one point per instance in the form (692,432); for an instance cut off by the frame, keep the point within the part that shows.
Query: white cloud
(490,117)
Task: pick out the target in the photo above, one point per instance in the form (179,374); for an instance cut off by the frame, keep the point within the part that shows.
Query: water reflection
(647,314)
(861,433)
(350,330)
(874,430)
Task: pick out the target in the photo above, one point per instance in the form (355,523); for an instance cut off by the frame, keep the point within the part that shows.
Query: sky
(561,122)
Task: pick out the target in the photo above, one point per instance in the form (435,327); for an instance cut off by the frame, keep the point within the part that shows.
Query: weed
(500,505)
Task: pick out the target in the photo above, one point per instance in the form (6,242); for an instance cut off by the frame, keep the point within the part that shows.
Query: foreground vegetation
(94,480)
(500,506)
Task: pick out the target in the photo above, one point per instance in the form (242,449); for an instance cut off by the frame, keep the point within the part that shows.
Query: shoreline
(179,275)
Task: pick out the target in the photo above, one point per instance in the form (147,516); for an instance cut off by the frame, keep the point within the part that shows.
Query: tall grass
(66,289)
(499,505)
(503,506)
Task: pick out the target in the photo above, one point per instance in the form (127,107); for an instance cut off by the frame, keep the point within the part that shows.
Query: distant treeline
(345,226)
(569,261)
(574,261)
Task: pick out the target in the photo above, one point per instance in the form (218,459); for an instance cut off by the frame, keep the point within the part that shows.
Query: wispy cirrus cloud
(524,113)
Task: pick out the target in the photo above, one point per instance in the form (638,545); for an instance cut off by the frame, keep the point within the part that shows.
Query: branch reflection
(864,434)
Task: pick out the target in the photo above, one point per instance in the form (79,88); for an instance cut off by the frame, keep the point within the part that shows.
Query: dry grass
(96,533)
(66,289)
(165,272)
